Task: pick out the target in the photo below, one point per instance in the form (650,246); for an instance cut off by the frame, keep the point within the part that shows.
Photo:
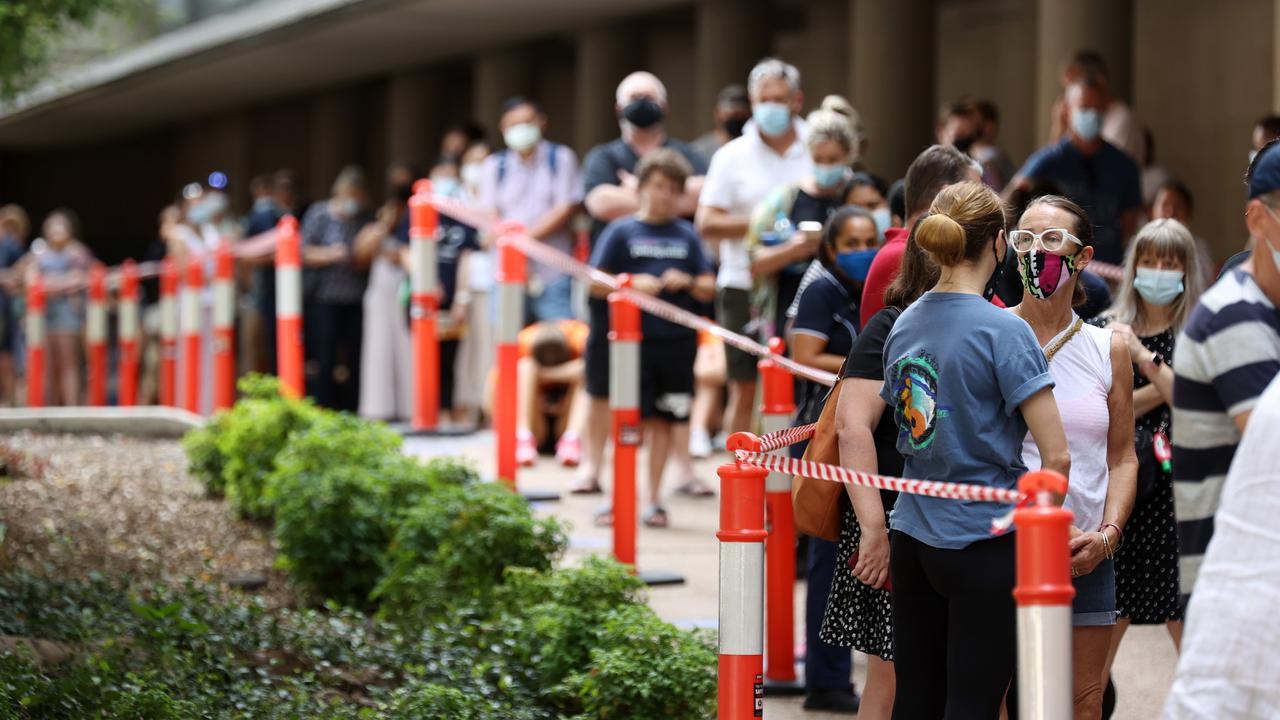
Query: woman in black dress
(1162,283)
(859,613)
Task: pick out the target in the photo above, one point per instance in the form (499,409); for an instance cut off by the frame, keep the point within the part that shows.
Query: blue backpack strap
(552,161)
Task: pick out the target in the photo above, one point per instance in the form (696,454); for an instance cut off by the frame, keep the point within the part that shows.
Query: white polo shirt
(741,174)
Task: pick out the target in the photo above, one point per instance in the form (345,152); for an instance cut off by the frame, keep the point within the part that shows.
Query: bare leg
(579,408)
(1122,626)
(596,430)
(738,410)
(1089,647)
(7,381)
(658,435)
(681,460)
(527,394)
(66,368)
(1175,632)
(708,375)
(877,696)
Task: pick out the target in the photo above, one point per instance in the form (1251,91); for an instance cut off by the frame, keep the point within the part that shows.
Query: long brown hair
(917,273)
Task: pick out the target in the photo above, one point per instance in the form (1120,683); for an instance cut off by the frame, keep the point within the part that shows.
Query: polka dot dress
(1147,564)
(857,616)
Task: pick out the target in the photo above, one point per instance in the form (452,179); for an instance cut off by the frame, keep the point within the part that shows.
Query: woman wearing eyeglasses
(1093,385)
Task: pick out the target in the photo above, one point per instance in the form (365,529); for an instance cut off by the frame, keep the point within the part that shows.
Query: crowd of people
(955,304)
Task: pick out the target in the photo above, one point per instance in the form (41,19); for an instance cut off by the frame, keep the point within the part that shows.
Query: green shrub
(258,386)
(642,667)
(255,431)
(452,550)
(204,459)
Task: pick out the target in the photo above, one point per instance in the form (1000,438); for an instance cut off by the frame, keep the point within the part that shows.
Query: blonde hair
(835,121)
(962,221)
(1165,238)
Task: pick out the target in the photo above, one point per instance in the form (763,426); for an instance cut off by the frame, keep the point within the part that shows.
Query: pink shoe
(569,451)
(526,450)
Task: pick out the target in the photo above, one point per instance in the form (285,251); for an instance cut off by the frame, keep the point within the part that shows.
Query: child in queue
(663,255)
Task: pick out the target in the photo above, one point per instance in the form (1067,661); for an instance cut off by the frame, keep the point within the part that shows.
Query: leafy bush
(451,552)
(254,432)
(204,459)
(642,667)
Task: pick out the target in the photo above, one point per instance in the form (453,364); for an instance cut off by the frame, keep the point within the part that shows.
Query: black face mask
(642,112)
(734,126)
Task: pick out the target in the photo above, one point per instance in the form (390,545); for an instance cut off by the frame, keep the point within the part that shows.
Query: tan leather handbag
(819,504)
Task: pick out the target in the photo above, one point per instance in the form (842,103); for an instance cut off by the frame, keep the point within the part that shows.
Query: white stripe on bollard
(168,318)
(770,423)
(1044,662)
(128,319)
(624,375)
(190,309)
(224,304)
(741,598)
(95,323)
(288,292)
(510,312)
(424,273)
(35,329)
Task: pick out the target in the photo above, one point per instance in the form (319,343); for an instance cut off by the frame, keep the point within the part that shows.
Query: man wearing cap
(1225,357)
(733,110)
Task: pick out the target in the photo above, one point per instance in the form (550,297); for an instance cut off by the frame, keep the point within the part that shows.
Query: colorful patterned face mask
(1043,273)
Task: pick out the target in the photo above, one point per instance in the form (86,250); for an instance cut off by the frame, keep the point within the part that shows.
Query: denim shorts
(555,302)
(1095,601)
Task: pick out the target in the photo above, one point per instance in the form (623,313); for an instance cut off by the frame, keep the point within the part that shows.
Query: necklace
(1052,350)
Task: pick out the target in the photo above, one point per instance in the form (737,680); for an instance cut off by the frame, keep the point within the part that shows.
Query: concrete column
(826,51)
(605,56)
(1062,28)
(335,138)
(732,35)
(413,126)
(893,79)
(498,75)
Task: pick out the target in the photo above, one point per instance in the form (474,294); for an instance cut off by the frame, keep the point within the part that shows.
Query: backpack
(552,161)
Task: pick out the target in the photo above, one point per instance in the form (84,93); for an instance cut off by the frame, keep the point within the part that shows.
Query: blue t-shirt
(956,370)
(628,245)
(1106,185)
(827,310)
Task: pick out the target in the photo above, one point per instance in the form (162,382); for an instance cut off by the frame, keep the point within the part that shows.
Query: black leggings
(953,628)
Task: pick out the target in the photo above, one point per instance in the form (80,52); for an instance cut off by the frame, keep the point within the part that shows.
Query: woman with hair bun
(965,380)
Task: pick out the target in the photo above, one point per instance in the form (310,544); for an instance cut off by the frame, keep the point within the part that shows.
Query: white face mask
(1275,254)
(471,174)
(522,137)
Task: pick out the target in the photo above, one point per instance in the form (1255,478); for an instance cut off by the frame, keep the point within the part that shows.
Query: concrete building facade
(313,85)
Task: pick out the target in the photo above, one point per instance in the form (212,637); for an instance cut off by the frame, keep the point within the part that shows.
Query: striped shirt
(1225,358)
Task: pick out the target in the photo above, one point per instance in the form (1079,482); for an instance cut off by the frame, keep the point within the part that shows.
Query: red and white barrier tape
(549,256)
(928,488)
(1105,270)
(787,437)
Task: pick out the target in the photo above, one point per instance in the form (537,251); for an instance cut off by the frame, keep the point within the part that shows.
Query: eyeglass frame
(1035,238)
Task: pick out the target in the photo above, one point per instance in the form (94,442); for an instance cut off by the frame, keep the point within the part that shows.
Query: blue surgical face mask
(446,186)
(1158,287)
(829,176)
(855,264)
(522,137)
(772,119)
(1087,123)
(883,219)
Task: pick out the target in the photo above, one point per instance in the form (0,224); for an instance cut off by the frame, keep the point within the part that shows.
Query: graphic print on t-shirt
(915,391)
(658,248)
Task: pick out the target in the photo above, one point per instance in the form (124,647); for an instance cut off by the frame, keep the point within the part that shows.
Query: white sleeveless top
(1081,372)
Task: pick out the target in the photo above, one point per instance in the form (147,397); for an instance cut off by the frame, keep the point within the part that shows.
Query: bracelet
(1119,532)
(1106,546)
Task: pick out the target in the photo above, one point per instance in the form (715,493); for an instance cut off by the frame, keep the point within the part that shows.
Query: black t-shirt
(631,246)
(866,361)
(603,162)
(454,238)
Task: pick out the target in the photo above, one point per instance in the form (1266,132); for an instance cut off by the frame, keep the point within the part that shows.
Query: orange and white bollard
(128,330)
(776,411)
(1044,593)
(512,274)
(424,306)
(168,333)
(289,308)
(624,401)
(36,336)
(224,328)
(740,685)
(189,302)
(95,332)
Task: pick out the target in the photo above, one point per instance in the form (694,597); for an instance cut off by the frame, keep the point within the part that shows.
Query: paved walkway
(1143,670)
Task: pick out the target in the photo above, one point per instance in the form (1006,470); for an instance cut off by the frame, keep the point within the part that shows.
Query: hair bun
(943,238)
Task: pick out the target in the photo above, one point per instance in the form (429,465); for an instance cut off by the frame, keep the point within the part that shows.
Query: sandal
(603,517)
(695,488)
(656,517)
(586,486)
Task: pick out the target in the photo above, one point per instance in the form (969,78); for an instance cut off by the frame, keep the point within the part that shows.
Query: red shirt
(884,268)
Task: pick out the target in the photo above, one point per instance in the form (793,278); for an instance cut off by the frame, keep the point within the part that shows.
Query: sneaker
(699,443)
(720,441)
(843,702)
(569,451)
(526,450)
